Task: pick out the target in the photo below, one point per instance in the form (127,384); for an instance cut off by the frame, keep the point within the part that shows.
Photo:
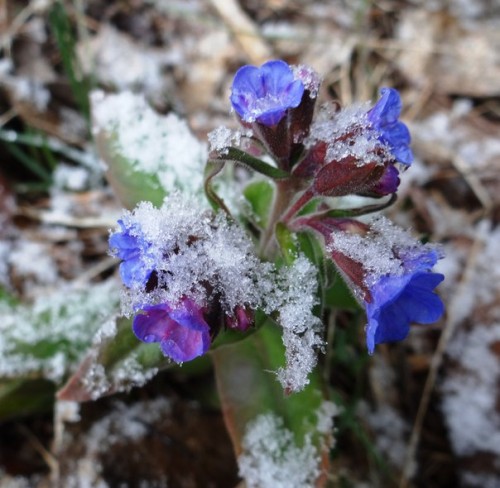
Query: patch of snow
(470,393)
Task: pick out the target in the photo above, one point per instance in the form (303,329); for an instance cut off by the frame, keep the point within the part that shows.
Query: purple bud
(242,319)
(386,185)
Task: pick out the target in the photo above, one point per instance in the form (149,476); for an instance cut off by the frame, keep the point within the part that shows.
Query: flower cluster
(357,150)
(188,273)
(191,272)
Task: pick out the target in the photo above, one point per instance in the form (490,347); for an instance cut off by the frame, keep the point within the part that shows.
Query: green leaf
(287,241)
(249,388)
(260,196)
(148,155)
(339,295)
(129,184)
(19,398)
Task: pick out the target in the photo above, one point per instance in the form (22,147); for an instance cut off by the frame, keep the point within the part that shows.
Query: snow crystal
(271,458)
(158,145)
(295,297)
(310,79)
(222,138)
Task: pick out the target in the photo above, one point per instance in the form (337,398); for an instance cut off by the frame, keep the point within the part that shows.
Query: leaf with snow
(272,457)
(248,388)
(147,155)
(48,338)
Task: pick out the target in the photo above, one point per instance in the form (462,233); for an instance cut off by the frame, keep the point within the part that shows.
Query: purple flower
(182,331)
(384,118)
(398,301)
(130,245)
(264,94)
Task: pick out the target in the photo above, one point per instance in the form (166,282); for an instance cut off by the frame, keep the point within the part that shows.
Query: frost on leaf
(49,337)
(162,146)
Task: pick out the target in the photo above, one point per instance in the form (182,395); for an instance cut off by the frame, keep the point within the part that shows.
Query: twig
(95,271)
(245,31)
(40,448)
(53,218)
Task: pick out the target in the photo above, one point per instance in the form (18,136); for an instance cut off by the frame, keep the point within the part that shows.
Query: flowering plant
(246,283)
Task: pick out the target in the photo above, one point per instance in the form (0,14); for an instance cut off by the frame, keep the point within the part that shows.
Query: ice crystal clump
(272,459)
(302,330)
(195,248)
(221,138)
(159,145)
(378,249)
(348,133)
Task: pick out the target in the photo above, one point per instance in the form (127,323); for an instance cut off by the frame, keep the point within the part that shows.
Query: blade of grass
(29,162)
(61,28)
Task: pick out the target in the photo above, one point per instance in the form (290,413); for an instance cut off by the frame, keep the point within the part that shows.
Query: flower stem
(285,192)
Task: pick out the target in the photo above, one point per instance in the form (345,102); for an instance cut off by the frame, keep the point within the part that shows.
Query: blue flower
(181,331)
(264,94)
(130,245)
(398,301)
(384,118)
